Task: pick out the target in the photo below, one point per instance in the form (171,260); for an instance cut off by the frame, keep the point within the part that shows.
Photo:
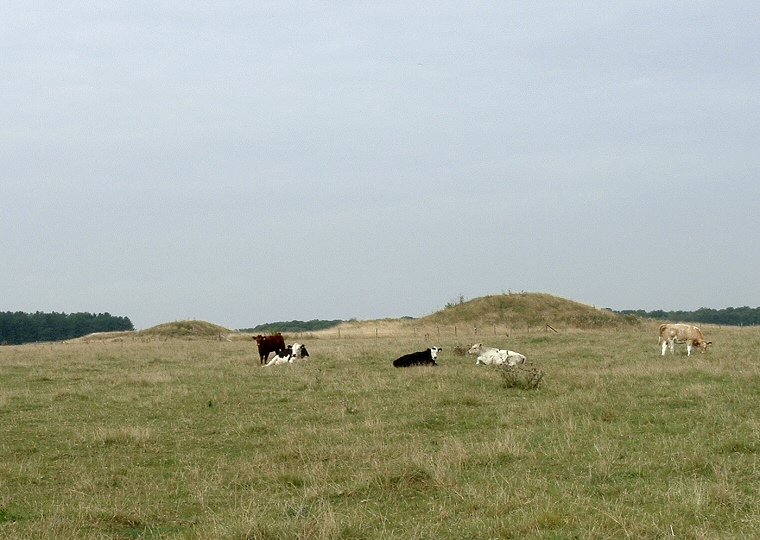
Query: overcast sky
(248,162)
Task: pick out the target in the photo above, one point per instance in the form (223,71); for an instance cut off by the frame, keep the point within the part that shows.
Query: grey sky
(246,162)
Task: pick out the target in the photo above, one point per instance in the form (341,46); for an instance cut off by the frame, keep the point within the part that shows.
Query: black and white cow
(422,358)
(299,352)
(288,355)
(281,357)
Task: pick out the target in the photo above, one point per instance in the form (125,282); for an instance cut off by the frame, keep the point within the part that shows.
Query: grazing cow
(422,358)
(491,355)
(268,344)
(670,334)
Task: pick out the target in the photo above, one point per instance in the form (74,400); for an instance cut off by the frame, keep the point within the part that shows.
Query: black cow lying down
(422,358)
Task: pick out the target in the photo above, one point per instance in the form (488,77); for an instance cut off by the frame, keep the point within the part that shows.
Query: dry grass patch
(138,437)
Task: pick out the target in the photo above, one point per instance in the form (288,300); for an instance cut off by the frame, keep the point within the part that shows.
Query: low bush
(526,378)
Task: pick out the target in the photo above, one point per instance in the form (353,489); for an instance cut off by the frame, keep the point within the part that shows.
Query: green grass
(192,439)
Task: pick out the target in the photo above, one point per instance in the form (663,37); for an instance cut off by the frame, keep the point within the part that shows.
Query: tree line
(741,316)
(293,326)
(18,327)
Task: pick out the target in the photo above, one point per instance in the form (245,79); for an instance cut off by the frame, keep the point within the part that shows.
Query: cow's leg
(664,346)
(672,346)
(688,348)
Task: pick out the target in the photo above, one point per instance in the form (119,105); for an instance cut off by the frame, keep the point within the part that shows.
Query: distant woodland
(293,326)
(17,328)
(742,316)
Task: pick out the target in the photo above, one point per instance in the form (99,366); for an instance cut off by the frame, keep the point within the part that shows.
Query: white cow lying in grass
(491,355)
(290,354)
(486,355)
(512,358)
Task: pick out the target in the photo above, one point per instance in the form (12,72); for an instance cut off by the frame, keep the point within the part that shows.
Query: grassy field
(182,438)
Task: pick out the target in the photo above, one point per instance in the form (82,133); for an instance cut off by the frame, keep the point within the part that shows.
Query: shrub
(527,378)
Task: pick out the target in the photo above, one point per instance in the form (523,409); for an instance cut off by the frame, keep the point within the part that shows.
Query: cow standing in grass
(670,334)
(269,344)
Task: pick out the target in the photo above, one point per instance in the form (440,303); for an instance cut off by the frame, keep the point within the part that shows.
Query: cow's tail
(659,338)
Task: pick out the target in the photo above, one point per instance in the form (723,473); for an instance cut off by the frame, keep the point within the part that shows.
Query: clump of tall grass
(124,436)
(523,377)
(459,350)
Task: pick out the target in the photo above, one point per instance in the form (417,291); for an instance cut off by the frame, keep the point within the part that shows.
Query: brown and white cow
(670,334)
(269,344)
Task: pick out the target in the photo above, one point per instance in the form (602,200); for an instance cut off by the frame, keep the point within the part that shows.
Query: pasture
(192,439)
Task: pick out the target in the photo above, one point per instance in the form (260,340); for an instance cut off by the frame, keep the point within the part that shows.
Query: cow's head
(703,345)
(434,352)
(475,349)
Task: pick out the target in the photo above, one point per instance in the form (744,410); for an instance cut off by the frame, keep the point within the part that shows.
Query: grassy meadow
(190,438)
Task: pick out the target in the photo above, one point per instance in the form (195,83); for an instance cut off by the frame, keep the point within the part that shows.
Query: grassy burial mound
(514,312)
(521,310)
(184,330)
(190,329)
